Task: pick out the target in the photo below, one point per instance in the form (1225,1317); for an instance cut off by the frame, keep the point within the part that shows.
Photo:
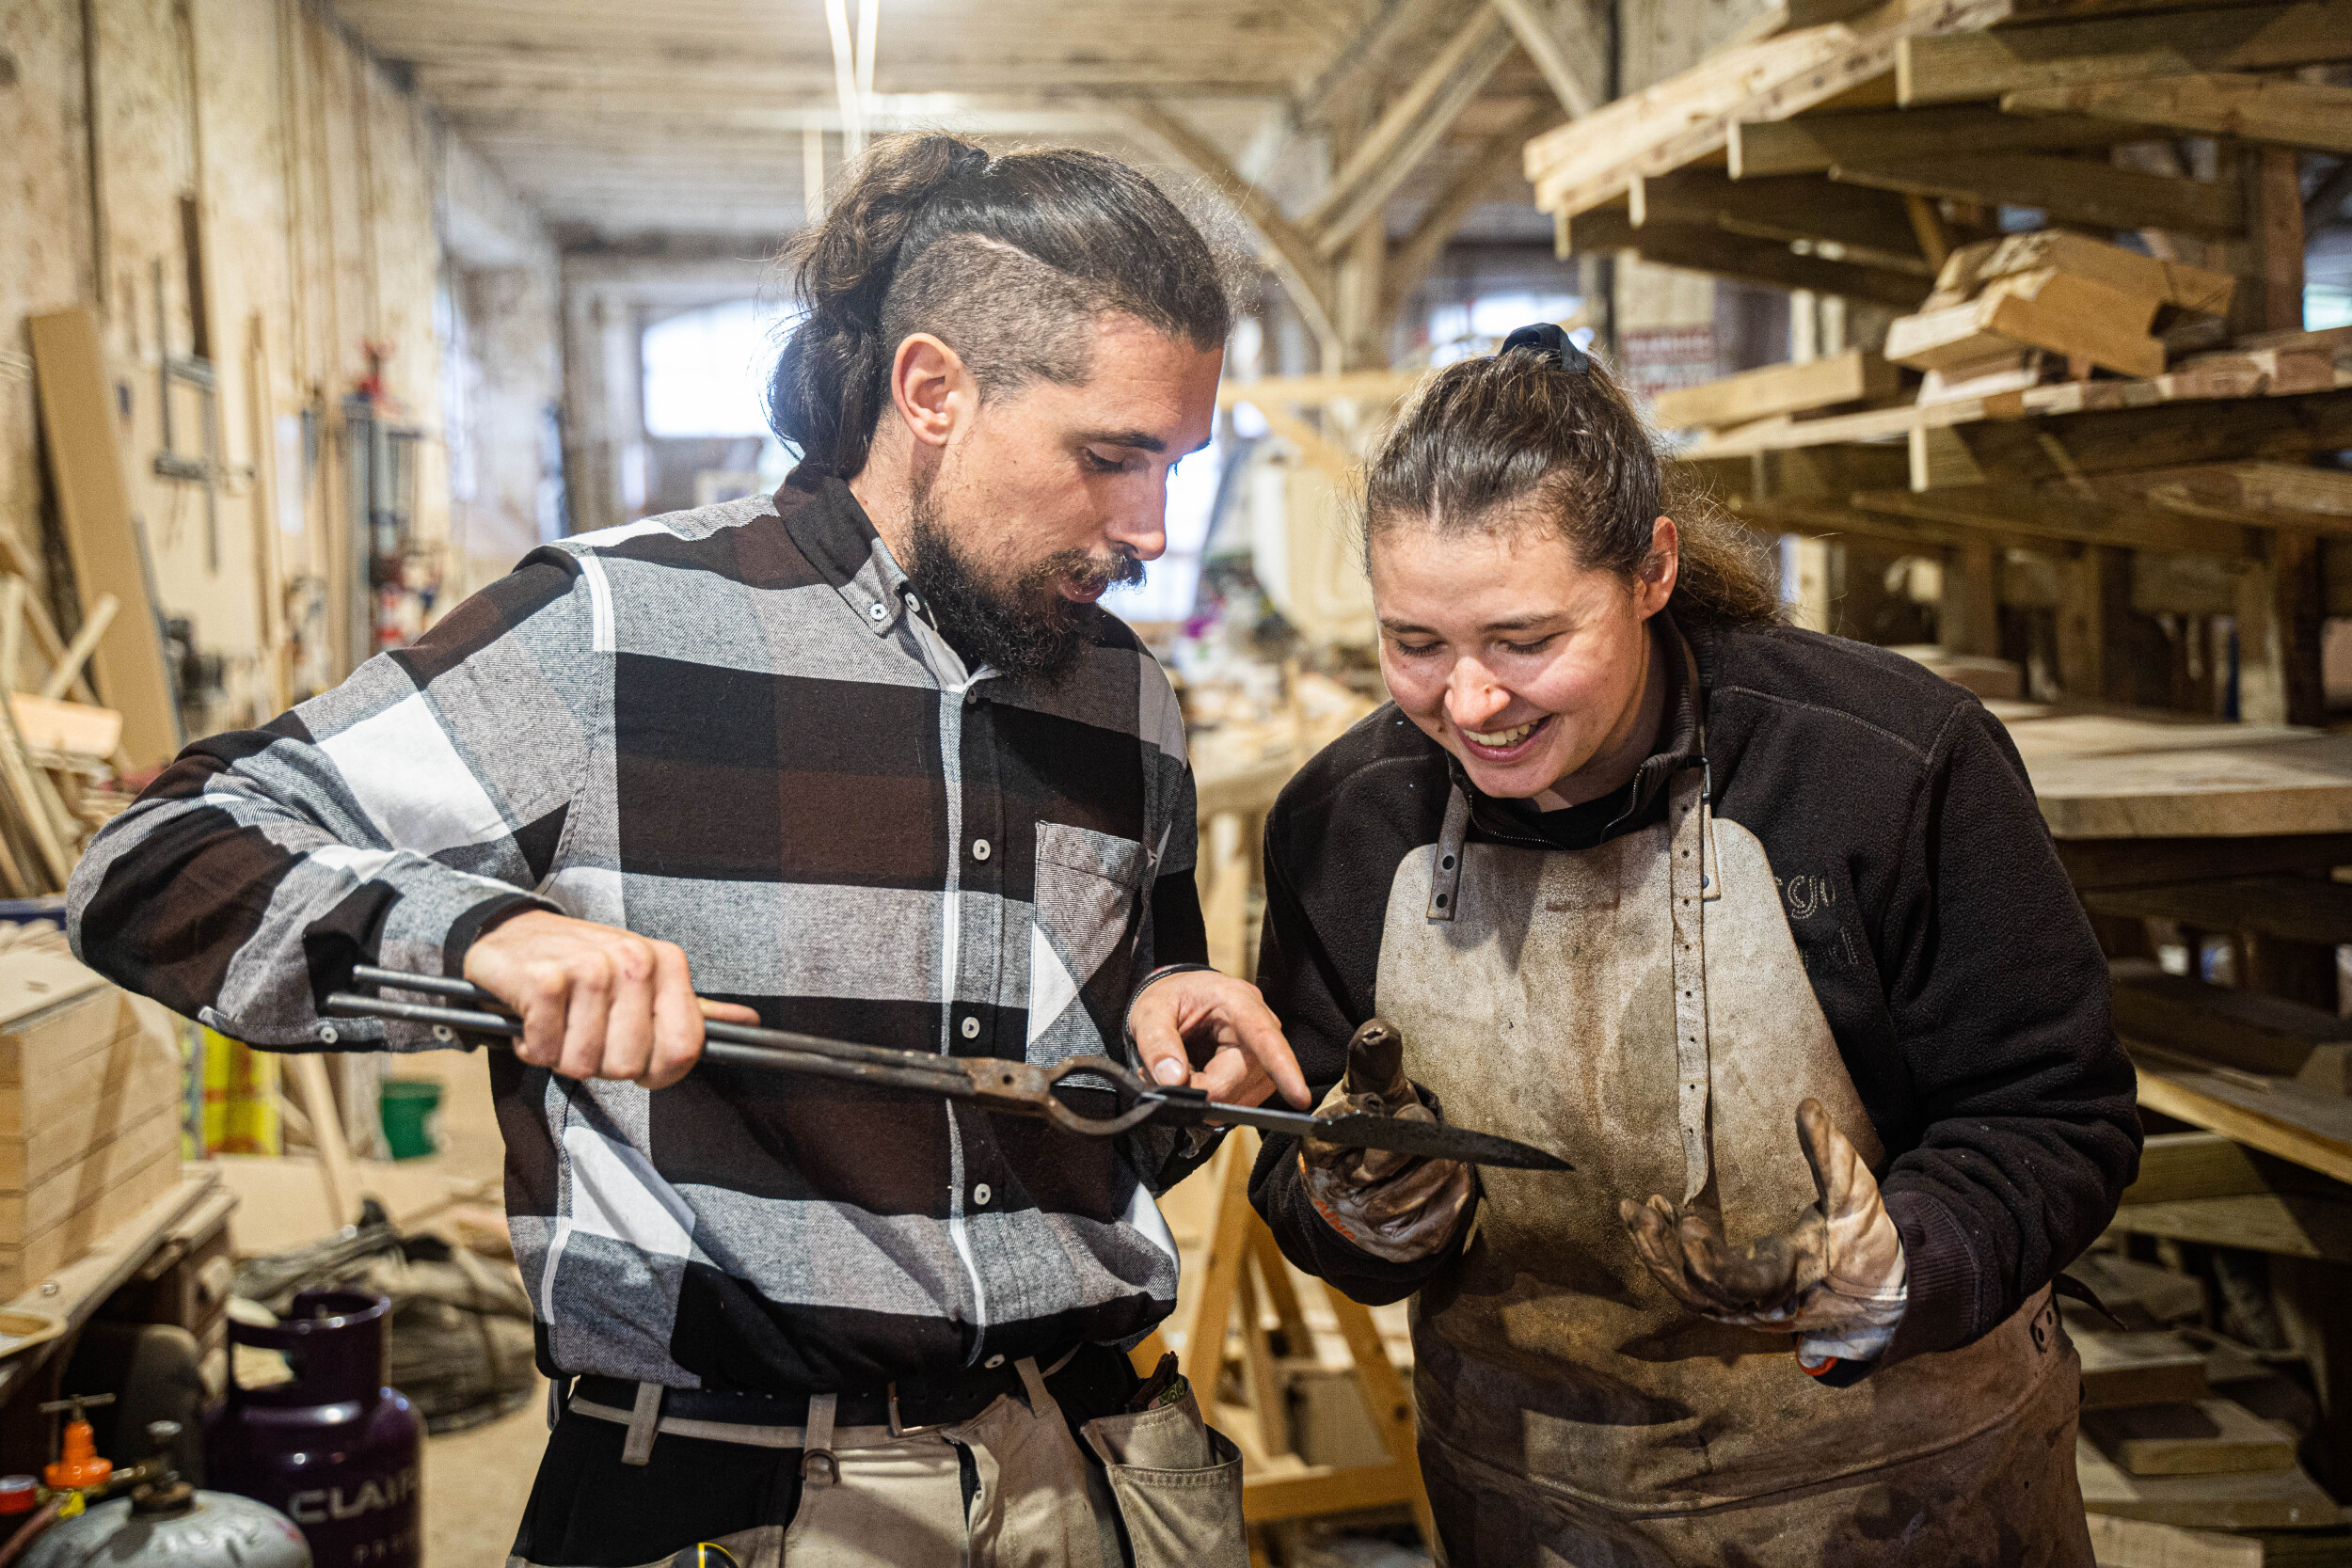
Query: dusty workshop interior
(2018,332)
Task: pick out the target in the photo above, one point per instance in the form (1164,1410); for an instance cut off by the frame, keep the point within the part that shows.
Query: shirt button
(877,612)
(994,1362)
(971,1028)
(979,848)
(980,1195)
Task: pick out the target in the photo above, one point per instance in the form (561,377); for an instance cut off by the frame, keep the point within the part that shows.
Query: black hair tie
(1549,339)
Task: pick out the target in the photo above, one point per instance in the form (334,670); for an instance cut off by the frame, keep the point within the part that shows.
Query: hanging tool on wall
(1006,1087)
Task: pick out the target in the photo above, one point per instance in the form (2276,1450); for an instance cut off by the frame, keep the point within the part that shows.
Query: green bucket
(409,1107)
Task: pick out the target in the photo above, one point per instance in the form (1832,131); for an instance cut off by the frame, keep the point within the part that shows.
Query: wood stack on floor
(90,1109)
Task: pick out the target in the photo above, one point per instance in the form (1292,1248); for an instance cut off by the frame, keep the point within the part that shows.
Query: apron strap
(643,1421)
(1445,875)
(1690,886)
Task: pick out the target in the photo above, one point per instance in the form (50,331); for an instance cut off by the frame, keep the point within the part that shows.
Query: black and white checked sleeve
(384,821)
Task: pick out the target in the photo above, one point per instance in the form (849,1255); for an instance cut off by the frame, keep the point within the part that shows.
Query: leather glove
(1397,1207)
(1835,1280)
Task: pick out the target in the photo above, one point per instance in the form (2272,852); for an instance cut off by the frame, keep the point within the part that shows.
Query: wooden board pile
(90,1107)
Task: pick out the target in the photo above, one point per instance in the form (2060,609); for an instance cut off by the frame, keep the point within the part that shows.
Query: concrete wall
(311,183)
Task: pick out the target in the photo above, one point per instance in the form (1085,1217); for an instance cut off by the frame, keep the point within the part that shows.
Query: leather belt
(897,1408)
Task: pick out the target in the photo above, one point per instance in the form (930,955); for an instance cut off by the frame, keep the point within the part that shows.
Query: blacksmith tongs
(1007,1088)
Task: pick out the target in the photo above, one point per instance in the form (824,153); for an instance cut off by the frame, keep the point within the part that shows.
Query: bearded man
(863,759)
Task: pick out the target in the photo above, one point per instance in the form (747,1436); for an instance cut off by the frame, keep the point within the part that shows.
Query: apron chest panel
(1542,1001)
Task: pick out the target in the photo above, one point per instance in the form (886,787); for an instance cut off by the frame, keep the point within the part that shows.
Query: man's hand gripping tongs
(1007,1088)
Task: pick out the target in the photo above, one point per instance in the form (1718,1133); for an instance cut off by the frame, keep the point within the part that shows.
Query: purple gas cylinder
(335,1450)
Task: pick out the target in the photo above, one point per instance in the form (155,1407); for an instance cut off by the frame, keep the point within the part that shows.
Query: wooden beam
(2273,195)
(1376,386)
(1414,255)
(2178,1166)
(1565,47)
(2220,104)
(2071,190)
(1957,67)
(1365,53)
(2177,283)
(1816,144)
(1771,263)
(1292,256)
(2298,908)
(2061,447)
(2046,308)
(1407,130)
(1849,377)
(1796,207)
(2035,512)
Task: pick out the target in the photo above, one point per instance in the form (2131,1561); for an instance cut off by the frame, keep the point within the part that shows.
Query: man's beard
(1024,629)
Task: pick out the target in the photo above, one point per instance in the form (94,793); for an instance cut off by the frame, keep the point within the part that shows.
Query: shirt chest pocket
(1085,903)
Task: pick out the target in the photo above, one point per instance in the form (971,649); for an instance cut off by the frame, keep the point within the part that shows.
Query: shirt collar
(838,539)
(1682,744)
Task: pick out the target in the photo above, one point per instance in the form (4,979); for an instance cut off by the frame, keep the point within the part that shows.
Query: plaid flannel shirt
(736,729)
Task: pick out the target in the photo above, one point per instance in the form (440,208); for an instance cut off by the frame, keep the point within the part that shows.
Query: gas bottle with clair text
(335,1450)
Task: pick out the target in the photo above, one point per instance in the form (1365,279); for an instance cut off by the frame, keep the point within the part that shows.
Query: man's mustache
(1124,569)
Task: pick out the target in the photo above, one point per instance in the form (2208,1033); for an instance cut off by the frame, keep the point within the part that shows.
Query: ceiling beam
(1497,157)
(1413,123)
(1288,249)
(1566,46)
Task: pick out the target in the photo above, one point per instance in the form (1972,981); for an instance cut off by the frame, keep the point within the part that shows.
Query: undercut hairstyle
(1010,260)
(1517,441)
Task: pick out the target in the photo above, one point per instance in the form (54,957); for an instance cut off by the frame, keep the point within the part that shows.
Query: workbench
(76,1292)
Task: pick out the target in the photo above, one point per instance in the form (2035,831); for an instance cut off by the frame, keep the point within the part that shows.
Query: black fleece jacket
(1967,995)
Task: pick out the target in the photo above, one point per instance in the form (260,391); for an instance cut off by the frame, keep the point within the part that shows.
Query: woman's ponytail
(825,392)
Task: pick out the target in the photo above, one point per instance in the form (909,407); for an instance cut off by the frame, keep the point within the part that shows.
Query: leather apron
(1642,1007)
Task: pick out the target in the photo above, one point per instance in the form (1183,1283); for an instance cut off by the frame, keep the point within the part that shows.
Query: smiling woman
(1729,913)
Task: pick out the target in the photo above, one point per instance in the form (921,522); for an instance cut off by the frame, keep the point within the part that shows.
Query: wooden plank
(2178,1166)
(55,726)
(2111,440)
(70,664)
(2312,1131)
(2133,1291)
(102,535)
(2115,778)
(2046,308)
(2119,863)
(2139,1544)
(1849,377)
(1689,117)
(1795,207)
(77,1187)
(2280,1499)
(1773,264)
(1319,1489)
(1816,144)
(2299,909)
(2236,1028)
(2218,103)
(2069,190)
(2031,512)
(2203,1437)
(2126,1368)
(2174,282)
(1957,67)
(2286,1225)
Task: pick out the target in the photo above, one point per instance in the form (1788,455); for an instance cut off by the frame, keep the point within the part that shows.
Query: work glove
(1835,1280)
(1397,1207)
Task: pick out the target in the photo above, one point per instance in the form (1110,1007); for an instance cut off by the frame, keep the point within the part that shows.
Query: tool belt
(854,1418)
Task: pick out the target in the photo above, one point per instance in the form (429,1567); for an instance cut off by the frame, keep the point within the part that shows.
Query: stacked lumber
(90,1110)
(1998,301)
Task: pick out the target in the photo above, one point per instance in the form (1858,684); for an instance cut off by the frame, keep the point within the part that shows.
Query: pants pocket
(758,1547)
(1177,1482)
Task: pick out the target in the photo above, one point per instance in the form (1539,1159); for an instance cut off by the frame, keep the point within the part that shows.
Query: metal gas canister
(335,1448)
(166,1523)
